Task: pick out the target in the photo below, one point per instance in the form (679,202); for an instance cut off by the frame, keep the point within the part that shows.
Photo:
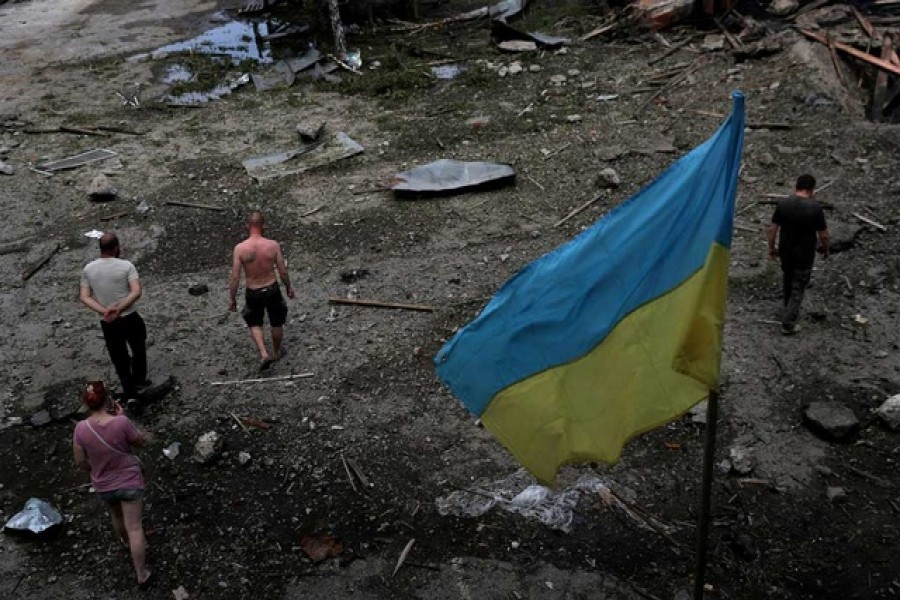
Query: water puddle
(201,97)
(237,40)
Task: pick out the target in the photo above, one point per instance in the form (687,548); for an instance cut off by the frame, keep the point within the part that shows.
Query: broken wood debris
(869,221)
(403,555)
(378,304)
(29,273)
(253,422)
(239,422)
(263,379)
(115,216)
(193,205)
(578,210)
(872,60)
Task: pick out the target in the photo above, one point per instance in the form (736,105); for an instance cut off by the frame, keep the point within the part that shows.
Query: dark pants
(794,282)
(120,335)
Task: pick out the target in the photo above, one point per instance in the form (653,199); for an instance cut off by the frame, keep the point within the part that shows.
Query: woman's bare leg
(132,511)
(115,511)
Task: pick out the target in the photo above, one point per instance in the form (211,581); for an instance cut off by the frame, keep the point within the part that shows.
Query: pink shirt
(116,469)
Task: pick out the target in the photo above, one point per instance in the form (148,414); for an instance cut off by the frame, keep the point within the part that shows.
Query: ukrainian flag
(615,333)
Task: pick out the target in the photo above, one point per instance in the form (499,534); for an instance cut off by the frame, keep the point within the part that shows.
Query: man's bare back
(258,257)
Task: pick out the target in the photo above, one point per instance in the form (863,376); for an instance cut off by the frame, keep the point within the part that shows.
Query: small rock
(534,68)
(478,122)
(101,190)
(7,169)
(41,418)
(713,42)
(836,494)
(574,72)
(208,447)
(608,178)
(558,80)
(573,118)
(831,420)
(741,460)
(172,450)
(198,289)
(180,593)
(698,415)
(782,8)
(517,46)
(515,68)
(787,149)
(766,159)
(890,412)
(502,71)
(244,457)
(823,471)
(309,132)
(723,467)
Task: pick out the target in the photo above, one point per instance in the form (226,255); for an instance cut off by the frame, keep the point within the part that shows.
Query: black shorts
(263,300)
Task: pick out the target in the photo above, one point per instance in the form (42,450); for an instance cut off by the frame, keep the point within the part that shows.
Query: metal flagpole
(712,413)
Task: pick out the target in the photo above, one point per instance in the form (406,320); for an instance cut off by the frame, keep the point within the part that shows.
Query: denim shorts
(124,494)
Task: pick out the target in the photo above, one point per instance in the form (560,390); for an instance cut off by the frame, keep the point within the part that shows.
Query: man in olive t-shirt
(799,220)
(110,286)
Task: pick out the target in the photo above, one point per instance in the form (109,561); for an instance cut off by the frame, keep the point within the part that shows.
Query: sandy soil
(228,530)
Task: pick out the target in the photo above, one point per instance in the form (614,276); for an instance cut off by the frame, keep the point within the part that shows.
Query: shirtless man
(258,257)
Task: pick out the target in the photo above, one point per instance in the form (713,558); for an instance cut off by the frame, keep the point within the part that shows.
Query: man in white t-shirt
(110,286)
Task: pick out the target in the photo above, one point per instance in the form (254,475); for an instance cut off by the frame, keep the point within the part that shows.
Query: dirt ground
(232,530)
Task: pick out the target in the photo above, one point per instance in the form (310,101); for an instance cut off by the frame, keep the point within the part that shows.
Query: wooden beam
(28,273)
(193,205)
(876,112)
(872,60)
(379,304)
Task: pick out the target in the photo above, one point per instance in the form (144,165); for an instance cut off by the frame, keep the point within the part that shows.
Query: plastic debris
(172,450)
(76,161)
(450,71)
(353,59)
(519,493)
(94,234)
(290,162)
(447,176)
(506,9)
(37,517)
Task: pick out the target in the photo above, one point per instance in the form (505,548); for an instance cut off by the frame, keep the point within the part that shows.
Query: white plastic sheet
(37,517)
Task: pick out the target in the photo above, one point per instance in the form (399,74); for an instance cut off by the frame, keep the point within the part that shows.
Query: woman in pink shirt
(102,445)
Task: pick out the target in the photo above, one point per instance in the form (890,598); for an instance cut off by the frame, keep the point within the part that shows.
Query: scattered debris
(172,450)
(518,493)
(244,458)
(198,289)
(447,176)
(318,547)
(208,447)
(831,420)
(76,161)
(403,555)
(503,34)
(357,480)
(378,304)
(889,412)
(662,13)
(101,190)
(37,517)
(252,422)
(291,162)
(263,379)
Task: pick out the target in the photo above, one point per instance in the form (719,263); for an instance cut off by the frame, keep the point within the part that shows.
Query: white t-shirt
(109,280)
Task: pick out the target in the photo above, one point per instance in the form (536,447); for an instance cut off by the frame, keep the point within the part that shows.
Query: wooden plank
(29,273)
(379,304)
(869,221)
(876,112)
(193,205)
(263,379)
(872,60)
